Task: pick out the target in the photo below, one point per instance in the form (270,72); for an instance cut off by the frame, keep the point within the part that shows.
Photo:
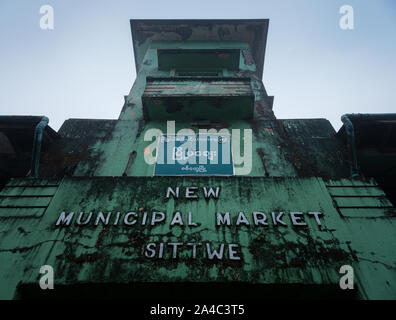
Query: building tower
(275,208)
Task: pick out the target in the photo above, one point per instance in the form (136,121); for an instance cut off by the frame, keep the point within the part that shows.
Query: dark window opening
(188,291)
(197,74)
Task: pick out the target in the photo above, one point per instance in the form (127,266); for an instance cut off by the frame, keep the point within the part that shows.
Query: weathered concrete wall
(99,166)
(133,109)
(280,148)
(270,254)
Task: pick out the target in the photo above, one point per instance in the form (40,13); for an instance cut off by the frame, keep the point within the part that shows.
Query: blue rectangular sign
(194,155)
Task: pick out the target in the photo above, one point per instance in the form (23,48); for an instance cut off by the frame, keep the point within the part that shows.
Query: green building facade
(302,200)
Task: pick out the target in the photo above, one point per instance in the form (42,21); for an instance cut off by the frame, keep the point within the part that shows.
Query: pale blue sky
(85,66)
